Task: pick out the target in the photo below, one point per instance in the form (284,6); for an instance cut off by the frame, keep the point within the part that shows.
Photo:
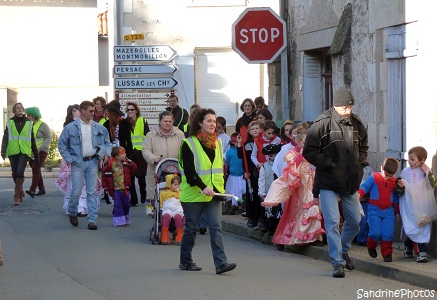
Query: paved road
(47,258)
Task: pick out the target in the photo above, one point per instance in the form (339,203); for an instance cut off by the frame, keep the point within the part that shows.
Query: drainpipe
(283,7)
(119,9)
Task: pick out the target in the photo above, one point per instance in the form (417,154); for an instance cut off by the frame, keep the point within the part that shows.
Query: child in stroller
(167,166)
(171,207)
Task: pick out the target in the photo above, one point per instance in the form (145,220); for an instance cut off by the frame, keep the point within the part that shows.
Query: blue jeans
(364,226)
(87,170)
(202,222)
(192,212)
(337,245)
(18,165)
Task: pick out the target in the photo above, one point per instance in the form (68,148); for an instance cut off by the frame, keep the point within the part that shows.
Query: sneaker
(149,211)
(372,253)
(422,257)
(408,253)
(189,267)
(261,226)
(92,226)
(338,271)
(244,214)
(202,230)
(225,268)
(388,258)
(250,224)
(349,263)
(280,247)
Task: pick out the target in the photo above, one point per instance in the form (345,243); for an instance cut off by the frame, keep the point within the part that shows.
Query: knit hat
(33,111)
(272,149)
(343,97)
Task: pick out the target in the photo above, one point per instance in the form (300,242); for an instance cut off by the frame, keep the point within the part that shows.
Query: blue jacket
(70,141)
(235,164)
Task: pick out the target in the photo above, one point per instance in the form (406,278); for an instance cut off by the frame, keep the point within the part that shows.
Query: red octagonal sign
(258,35)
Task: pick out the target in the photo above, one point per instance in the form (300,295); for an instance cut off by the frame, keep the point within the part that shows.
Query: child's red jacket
(129,168)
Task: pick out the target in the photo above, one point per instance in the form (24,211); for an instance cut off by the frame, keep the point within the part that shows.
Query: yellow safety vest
(138,136)
(102,120)
(19,142)
(210,173)
(38,141)
(186,127)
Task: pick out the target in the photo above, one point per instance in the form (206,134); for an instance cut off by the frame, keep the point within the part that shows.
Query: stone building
(383,51)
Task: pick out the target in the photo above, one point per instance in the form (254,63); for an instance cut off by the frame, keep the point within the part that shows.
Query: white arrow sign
(145,69)
(144,101)
(145,83)
(146,53)
(143,95)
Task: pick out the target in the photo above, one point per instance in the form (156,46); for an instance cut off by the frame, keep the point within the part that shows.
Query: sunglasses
(130,109)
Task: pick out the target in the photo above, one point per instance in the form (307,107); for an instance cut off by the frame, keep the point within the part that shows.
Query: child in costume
(267,136)
(417,204)
(300,222)
(171,208)
(244,150)
(222,135)
(64,183)
(116,180)
(235,184)
(265,180)
(383,208)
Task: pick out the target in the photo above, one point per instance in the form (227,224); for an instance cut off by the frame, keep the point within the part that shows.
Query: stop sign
(258,35)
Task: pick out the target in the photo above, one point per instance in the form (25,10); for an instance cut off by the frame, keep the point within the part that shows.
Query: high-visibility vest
(210,173)
(138,136)
(102,120)
(38,141)
(19,142)
(186,127)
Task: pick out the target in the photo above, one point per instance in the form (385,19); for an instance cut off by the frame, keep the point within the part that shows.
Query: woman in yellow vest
(139,129)
(18,144)
(43,139)
(201,166)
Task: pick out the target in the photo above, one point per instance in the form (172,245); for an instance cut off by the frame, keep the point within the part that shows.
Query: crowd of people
(300,183)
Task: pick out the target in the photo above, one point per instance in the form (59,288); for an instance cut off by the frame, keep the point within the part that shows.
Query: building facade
(382,50)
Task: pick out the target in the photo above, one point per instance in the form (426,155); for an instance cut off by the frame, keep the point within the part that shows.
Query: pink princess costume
(300,222)
(64,183)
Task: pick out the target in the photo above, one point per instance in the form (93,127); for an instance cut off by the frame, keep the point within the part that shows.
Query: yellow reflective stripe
(195,154)
(209,171)
(29,132)
(27,138)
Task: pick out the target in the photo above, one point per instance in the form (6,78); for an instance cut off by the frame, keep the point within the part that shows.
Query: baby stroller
(163,168)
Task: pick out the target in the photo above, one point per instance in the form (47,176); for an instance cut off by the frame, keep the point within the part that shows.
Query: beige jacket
(156,145)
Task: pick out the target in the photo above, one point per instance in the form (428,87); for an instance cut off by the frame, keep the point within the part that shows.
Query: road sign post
(259,35)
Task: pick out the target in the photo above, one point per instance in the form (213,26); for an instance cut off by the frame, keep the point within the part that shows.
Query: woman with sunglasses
(139,129)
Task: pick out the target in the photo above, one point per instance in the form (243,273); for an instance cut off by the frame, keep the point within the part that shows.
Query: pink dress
(64,183)
(300,222)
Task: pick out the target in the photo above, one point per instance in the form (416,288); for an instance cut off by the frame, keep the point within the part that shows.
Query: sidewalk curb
(422,280)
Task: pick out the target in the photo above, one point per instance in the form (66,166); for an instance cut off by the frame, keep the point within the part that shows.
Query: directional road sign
(145,83)
(145,69)
(144,53)
(145,101)
(154,95)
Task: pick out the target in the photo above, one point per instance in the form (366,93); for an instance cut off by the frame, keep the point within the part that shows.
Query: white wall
(48,46)
(51,55)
